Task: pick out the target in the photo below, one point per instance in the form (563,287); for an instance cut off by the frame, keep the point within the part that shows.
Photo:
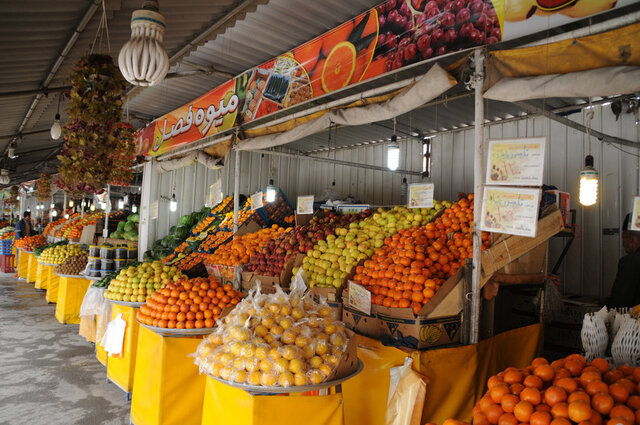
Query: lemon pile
(274,340)
(136,283)
(58,254)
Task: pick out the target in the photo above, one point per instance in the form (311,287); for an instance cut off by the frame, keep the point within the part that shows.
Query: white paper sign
(420,195)
(516,162)
(513,211)
(635,215)
(215,193)
(305,204)
(256,201)
(153,211)
(359,298)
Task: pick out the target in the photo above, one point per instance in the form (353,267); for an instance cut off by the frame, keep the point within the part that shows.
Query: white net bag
(616,323)
(626,345)
(594,335)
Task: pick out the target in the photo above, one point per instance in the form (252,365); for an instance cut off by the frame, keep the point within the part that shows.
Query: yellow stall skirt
(22,264)
(101,355)
(70,298)
(225,405)
(120,370)
(53,285)
(168,388)
(42,278)
(33,268)
(457,376)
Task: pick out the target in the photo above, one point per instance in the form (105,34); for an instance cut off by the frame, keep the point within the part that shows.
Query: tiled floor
(49,374)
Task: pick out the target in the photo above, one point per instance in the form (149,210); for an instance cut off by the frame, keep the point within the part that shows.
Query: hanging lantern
(143,60)
(588,183)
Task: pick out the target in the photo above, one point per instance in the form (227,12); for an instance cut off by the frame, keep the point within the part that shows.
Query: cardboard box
(359,322)
(334,304)
(574,308)
(563,201)
(349,359)
(268,283)
(420,332)
(530,268)
(226,274)
(303,219)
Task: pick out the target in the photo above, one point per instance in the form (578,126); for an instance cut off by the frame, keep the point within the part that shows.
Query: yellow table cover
(32,268)
(101,355)
(70,296)
(42,278)
(22,262)
(120,370)
(168,388)
(457,376)
(53,285)
(225,405)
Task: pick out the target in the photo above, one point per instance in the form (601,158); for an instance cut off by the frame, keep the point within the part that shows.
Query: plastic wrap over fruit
(278,339)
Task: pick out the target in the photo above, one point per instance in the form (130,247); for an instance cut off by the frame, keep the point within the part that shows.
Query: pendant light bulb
(173,204)
(271,192)
(56,128)
(134,209)
(66,216)
(93,207)
(393,154)
(70,203)
(588,183)
(121,204)
(54,213)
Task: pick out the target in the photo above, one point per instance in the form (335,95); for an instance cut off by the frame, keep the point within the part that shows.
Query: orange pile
(566,391)
(240,250)
(30,242)
(413,263)
(49,228)
(188,304)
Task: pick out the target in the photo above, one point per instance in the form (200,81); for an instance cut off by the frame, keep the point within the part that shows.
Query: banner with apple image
(395,34)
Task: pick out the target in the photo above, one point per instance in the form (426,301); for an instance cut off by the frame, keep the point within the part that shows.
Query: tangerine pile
(566,391)
(187,304)
(239,250)
(28,243)
(413,263)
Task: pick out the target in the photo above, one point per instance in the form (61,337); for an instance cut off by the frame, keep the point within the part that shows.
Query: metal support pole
(64,205)
(236,192)
(145,208)
(107,210)
(478,180)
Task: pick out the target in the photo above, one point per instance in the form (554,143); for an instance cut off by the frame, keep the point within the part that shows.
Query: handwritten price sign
(516,162)
(510,210)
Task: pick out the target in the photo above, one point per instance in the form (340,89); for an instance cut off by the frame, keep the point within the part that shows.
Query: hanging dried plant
(99,148)
(43,188)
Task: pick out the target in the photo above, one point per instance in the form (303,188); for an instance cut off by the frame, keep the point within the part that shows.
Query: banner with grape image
(395,34)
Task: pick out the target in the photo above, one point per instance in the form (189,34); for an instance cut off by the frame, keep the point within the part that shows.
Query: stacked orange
(188,304)
(30,242)
(567,391)
(49,228)
(240,250)
(188,262)
(412,264)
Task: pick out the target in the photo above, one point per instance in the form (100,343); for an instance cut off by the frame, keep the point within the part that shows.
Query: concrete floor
(48,373)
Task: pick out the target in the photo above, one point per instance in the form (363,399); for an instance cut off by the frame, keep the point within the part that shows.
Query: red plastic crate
(8,263)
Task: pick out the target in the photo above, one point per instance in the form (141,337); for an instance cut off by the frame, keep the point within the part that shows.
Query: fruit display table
(22,263)
(53,283)
(456,375)
(168,388)
(42,278)
(32,264)
(120,370)
(71,293)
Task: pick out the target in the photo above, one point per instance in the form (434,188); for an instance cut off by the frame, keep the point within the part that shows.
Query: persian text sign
(510,210)
(516,162)
(634,224)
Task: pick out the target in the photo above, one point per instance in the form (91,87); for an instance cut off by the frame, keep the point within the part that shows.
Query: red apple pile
(272,257)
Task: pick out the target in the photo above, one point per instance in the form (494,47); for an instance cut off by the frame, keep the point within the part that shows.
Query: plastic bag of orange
(407,401)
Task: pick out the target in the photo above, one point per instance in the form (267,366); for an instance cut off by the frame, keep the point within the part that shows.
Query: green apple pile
(136,283)
(331,260)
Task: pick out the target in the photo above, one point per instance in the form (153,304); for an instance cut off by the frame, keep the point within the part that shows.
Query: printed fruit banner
(394,34)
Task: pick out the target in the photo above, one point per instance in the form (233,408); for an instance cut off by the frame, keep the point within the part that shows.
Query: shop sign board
(420,195)
(635,216)
(359,298)
(510,210)
(305,204)
(516,162)
(393,35)
(215,193)
(257,201)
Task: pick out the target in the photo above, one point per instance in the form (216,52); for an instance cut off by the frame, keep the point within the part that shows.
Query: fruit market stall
(53,255)
(72,288)
(7,250)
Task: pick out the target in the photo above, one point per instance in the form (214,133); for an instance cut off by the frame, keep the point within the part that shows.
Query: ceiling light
(134,209)
(121,204)
(588,183)
(56,128)
(71,203)
(173,204)
(393,154)
(143,60)
(54,213)
(271,192)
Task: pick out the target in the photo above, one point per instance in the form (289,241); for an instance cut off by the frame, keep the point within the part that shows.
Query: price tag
(215,193)
(516,162)
(635,216)
(359,298)
(420,195)
(513,211)
(305,204)
(153,211)
(256,201)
